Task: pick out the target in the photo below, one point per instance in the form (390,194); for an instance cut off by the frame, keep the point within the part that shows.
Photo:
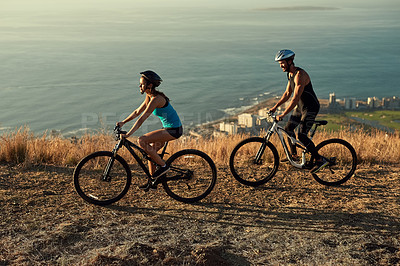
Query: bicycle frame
(131,146)
(282,133)
(123,142)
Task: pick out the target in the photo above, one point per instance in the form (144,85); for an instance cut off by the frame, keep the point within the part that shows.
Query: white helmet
(283,54)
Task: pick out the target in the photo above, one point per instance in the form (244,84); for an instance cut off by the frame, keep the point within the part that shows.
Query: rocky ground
(290,220)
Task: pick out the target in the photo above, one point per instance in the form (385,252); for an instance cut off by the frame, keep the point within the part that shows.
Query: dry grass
(21,146)
(291,220)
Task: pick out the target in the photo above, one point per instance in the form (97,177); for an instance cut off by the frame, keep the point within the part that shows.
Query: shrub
(21,146)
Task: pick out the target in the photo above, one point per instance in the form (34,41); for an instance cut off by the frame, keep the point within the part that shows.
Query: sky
(30,5)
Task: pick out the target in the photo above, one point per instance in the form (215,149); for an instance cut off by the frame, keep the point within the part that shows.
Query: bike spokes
(192,176)
(342,162)
(102,179)
(254,161)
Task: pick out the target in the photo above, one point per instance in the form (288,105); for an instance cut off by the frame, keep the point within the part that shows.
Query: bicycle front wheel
(343,162)
(191,177)
(102,180)
(254,161)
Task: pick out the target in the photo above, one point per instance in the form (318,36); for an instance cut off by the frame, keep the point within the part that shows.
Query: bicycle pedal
(148,186)
(308,165)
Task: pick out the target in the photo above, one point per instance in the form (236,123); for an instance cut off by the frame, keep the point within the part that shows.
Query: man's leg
(291,125)
(305,126)
(307,121)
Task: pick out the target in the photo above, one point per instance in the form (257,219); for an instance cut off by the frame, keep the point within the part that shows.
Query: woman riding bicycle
(157,103)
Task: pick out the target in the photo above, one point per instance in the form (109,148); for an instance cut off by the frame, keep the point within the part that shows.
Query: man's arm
(284,98)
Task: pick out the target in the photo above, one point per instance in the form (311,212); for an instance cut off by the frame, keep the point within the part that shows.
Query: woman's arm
(153,104)
(135,113)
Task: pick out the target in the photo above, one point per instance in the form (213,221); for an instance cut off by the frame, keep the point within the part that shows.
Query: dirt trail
(290,220)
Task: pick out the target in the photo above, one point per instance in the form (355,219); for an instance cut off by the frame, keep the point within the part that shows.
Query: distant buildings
(255,123)
(350,103)
(369,103)
(391,103)
(332,100)
(247,120)
(245,123)
(229,128)
(373,102)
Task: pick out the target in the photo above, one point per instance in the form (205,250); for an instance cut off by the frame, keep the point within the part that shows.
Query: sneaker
(294,158)
(319,165)
(156,179)
(149,185)
(161,171)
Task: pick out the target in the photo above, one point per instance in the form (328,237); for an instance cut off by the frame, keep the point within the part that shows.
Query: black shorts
(305,121)
(176,132)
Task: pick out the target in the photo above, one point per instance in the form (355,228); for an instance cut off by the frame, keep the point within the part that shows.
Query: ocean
(77,70)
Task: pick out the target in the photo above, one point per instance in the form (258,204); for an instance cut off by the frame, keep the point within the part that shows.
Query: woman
(157,103)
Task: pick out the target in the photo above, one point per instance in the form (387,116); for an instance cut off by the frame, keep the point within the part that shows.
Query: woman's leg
(152,142)
(152,166)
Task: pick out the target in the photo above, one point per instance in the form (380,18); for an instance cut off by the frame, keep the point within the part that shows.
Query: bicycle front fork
(260,152)
(106,174)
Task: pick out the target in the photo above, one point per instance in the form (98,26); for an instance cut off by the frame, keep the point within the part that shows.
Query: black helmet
(152,77)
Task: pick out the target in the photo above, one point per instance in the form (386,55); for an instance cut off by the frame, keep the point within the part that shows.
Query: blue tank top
(168,116)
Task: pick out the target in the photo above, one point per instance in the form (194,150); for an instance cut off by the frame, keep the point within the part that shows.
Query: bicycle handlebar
(118,132)
(272,115)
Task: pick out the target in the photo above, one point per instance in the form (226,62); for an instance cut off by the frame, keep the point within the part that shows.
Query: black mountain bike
(104,177)
(254,161)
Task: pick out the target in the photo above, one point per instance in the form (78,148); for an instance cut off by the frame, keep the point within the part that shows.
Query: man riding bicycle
(304,102)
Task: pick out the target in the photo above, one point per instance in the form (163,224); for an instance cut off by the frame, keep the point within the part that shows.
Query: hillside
(290,220)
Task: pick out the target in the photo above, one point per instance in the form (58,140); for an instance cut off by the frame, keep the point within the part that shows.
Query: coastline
(339,118)
(206,129)
(326,113)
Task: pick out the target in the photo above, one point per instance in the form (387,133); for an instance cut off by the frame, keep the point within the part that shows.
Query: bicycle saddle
(321,122)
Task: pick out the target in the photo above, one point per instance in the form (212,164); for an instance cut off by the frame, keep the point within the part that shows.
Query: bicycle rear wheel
(192,176)
(343,162)
(254,161)
(91,183)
